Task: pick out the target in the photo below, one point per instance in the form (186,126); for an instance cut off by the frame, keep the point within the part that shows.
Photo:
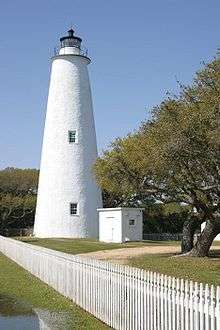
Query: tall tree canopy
(174,157)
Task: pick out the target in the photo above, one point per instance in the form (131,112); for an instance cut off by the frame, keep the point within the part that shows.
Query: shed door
(111,228)
(132,228)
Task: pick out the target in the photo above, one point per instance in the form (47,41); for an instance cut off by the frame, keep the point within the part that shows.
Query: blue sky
(138,50)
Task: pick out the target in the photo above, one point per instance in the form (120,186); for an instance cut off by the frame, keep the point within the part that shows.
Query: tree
(18,181)
(18,188)
(15,209)
(174,157)
(164,218)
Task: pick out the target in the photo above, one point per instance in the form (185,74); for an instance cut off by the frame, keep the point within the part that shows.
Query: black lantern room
(70,40)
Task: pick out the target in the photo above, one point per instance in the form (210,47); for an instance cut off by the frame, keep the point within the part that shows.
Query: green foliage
(174,157)
(18,188)
(161,218)
(18,181)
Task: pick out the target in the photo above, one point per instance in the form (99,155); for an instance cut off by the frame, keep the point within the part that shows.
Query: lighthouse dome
(70,40)
(70,44)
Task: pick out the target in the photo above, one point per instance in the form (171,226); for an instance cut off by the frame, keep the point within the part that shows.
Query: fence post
(196,307)
(207,307)
(217,306)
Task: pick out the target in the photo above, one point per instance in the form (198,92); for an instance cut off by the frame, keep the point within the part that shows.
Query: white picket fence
(123,297)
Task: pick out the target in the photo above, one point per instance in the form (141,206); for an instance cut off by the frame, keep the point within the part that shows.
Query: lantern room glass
(70,42)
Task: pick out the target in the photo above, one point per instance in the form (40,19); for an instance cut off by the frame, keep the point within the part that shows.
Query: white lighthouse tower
(68,196)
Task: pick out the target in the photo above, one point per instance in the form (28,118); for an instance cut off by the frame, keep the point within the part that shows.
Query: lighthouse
(68,196)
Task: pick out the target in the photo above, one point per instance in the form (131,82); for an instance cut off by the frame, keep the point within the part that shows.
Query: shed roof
(120,208)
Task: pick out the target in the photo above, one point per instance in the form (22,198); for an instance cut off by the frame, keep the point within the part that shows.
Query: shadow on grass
(26,239)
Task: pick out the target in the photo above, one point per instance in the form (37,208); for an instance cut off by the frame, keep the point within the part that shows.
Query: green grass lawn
(205,270)
(19,284)
(76,246)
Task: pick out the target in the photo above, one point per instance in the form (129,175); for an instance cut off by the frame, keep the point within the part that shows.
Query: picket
(217,307)
(123,297)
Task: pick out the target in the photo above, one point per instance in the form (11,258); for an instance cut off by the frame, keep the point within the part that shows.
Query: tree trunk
(2,223)
(189,228)
(202,246)
(188,234)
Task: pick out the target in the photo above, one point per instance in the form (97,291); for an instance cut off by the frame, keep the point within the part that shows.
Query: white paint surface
(66,168)
(114,224)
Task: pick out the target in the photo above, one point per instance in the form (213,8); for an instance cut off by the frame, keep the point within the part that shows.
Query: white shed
(120,224)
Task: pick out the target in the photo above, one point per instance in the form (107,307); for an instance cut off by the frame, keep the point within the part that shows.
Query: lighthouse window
(72,136)
(73,208)
(131,222)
